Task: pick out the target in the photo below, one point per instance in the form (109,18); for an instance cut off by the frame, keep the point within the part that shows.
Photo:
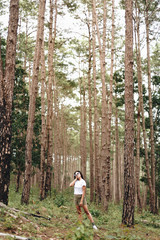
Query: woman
(79,196)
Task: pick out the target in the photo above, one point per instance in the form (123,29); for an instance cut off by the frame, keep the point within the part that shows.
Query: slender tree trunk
(43,124)
(84,130)
(137,169)
(50,105)
(64,142)
(18,179)
(137,165)
(55,139)
(110,110)
(31,113)
(139,69)
(129,188)
(59,148)
(81,121)
(153,208)
(96,134)
(104,166)
(6,96)
(113,174)
(56,136)
(117,165)
(122,172)
(90,121)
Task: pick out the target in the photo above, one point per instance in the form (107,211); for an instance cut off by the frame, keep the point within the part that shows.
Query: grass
(63,224)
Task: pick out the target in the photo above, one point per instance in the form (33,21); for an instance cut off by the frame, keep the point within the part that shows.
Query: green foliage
(95,212)
(2,6)
(119,89)
(82,232)
(3,51)
(8,224)
(19,119)
(63,222)
(19,123)
(71,5)
(59,200)
(28,8)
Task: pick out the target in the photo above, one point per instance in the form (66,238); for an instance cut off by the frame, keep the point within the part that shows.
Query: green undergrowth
(59,220)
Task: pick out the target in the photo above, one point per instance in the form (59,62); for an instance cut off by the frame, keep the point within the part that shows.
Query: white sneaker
(94,227)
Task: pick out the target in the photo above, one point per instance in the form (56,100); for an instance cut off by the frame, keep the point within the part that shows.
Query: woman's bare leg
(88,213)
(79,213)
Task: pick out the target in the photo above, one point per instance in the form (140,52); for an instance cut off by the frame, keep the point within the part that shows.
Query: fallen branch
(26,213)
(14,236)
(150,223)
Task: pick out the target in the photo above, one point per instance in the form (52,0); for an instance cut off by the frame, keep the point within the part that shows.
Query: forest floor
(63,224)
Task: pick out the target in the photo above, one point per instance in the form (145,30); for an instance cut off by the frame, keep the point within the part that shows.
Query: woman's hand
(81,203)
(72,183)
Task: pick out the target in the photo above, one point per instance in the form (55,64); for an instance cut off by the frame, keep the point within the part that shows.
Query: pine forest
(79,119)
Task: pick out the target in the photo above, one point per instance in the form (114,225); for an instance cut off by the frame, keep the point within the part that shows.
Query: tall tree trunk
(81,122)
(56,136)
(104,166)
(129,186)
(121,170)
(140,90)
(137,165)
(90,120)
(96,134)
(43,124)
(84,130)
(50,104)
(117,165)
(64,143)
(110,109)
(18,179)
(6,96)
(153,208)
(32,101)
(59,146)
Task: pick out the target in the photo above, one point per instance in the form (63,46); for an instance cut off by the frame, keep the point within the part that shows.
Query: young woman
(79,196)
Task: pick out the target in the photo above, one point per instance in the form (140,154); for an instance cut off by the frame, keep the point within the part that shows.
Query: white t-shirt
(78,186)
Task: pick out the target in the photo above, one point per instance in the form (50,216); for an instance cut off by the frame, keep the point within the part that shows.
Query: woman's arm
(83,194)
(72,183)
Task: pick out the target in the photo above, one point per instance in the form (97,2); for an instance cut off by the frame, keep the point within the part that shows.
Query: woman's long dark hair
(79,172)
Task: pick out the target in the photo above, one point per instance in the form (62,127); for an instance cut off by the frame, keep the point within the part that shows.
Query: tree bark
(137,170)
(50,104)
(153,207)
(108,160)
(117,165)
(90,120)
(56,137)
(96,133)
(129,184)
(6,96)
(32,101)
(64,147)
(105,195)
(140,91)
(137,165)
(43,125)
(84,130)
(18,179)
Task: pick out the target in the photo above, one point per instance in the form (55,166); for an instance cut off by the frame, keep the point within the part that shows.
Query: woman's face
(78,175)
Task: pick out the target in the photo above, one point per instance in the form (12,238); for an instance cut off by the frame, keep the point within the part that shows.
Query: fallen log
(150,223)
(14,236)
(26,213)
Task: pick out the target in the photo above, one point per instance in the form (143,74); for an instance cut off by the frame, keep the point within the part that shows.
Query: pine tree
(7,76)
